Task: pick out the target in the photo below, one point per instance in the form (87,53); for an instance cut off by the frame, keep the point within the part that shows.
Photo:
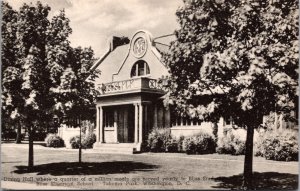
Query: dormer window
(140,68)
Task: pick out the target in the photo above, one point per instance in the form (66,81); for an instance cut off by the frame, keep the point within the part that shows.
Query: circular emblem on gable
(139,47)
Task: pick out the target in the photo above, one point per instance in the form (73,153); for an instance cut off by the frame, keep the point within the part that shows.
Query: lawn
(59,167)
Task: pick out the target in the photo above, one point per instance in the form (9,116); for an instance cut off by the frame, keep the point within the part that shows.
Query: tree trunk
(248,163)
(30,153)
(18,138)
(80,152)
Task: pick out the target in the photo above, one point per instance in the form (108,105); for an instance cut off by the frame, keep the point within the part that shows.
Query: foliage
(202,143)
(8,134)
(180,144)
(87,126)
(172,146)
(10,70)
(231,144)
(175,145)
(87,141)
(235,58)
(158,139)
(55,141)
(49,74)
(75,142)
(40,135)
(38,60)
(280,146)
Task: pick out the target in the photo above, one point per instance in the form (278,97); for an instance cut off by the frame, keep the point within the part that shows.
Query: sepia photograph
(149,94)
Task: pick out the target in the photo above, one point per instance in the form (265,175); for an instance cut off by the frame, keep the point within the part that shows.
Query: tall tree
(41,69)
(10,71)
(32,25)
(235,58)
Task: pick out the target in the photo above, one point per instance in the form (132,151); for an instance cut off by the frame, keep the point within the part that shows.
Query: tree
(235,59)
(32,25)
(40,67)
(78,94)
(10,71)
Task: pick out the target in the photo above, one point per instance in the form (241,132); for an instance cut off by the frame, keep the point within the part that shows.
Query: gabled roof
(113,62)
(114,59)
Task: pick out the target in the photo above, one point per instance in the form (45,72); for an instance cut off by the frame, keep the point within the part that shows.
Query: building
(131,100)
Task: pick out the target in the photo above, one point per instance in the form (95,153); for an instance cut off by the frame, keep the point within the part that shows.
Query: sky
(94,21)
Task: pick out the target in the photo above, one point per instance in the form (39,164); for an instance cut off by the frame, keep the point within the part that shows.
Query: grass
(142,171)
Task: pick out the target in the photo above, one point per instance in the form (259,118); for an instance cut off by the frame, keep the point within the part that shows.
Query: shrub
(189,146)
(87,127)
(180,144)
(8,134)
(40,136)
(145,146)
(172,146)
(158,139)
(74,142)
(280,146)
(231,144)
(87,141)
(88,138)
(202,143)
(55,141)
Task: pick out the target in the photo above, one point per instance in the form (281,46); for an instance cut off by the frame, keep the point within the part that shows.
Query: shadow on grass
(86,168)
(261,181)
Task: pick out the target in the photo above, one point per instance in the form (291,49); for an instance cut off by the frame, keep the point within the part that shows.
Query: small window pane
(140,68)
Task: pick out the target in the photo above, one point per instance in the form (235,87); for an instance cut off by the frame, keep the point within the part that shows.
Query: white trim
(123,103)
(137,90)
(153,49)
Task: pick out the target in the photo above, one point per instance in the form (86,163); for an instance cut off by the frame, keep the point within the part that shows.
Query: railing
(131,84)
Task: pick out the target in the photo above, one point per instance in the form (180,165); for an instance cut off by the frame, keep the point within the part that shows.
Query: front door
(125,124)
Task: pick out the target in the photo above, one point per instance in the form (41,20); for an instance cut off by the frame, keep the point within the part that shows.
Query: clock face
(139,47)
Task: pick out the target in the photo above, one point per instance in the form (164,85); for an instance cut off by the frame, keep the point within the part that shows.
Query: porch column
(115,125)
(146,119)
(140,123)
(101,125)
(167,117)
(136,124)
(97,125)
(155,116)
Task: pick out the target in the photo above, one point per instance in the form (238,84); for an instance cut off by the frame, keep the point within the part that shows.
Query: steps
(119,148)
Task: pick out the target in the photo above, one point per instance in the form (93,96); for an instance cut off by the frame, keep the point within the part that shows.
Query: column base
(138,147)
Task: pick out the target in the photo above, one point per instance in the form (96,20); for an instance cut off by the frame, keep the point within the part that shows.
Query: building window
(140,68)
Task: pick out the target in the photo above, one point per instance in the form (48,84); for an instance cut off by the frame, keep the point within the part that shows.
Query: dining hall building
(130,103)
(131,98)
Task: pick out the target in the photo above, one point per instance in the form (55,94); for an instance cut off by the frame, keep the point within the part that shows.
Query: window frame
(136,69)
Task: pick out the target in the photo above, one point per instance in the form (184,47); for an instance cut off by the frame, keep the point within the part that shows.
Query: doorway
(125,123)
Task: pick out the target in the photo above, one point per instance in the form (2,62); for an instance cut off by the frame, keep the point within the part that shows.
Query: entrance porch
(124,127)
(124,119)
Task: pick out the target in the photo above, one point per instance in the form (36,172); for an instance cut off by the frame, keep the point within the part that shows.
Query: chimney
(118,41)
